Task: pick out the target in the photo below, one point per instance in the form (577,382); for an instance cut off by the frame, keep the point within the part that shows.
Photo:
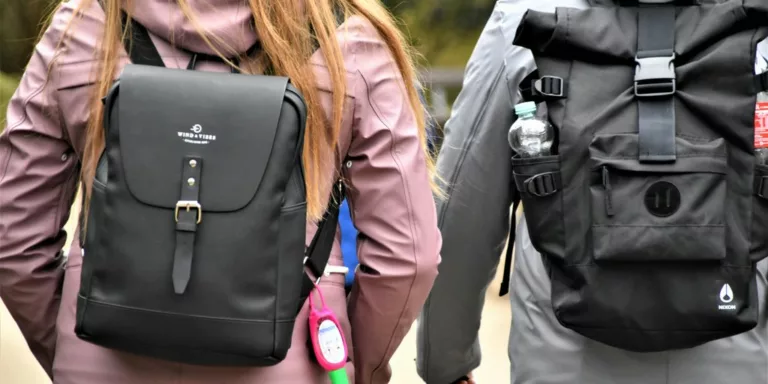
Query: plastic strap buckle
(549,86)
(655,76)
(543,184)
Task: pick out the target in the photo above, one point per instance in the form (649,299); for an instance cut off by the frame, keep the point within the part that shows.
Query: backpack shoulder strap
(140,46)
(142,51)
(319,250)
(509,255)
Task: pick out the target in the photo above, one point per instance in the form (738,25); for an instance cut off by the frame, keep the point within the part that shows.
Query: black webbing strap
(655,83)
(510,245)
(319,250)
(140,46)
(188,215)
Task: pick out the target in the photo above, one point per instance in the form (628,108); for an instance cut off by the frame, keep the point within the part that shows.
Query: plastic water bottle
(761,128)
(530,136)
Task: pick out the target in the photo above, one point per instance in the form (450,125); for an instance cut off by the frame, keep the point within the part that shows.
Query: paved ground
(18,367)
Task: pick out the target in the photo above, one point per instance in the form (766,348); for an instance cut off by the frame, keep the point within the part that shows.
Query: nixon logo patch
(662,199)
(726,296)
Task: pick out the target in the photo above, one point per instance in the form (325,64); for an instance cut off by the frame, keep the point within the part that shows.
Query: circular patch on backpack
(662,199)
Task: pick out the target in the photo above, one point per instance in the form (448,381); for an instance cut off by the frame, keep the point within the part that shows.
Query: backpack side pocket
(540,185)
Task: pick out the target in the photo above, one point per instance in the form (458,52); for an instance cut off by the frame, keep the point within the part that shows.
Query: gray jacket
(474,219)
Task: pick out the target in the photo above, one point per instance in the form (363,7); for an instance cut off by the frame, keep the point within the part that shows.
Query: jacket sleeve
(38,174)
(393,209)
(474,162)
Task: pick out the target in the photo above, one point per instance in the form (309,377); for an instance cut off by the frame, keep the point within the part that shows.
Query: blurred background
(443,31)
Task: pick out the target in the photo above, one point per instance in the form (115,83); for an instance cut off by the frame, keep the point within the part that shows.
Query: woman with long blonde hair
(364,124)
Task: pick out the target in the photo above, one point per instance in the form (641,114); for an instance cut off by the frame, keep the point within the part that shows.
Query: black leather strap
(188,216)
(655,83)
(319,250)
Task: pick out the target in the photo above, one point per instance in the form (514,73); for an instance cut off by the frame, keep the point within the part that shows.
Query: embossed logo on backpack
(662,199)
(197,136)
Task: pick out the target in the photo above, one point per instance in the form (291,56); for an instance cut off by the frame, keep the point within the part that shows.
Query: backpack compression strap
(655,81)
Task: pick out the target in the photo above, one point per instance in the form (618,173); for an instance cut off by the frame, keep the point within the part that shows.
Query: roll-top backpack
(195,243)
(652,212)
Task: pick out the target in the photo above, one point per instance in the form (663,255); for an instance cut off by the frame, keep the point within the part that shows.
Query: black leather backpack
(195,243)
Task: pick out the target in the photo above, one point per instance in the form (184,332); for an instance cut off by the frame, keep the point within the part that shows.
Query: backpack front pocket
(657,211)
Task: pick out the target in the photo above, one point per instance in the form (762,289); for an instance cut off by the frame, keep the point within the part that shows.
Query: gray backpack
(653,212)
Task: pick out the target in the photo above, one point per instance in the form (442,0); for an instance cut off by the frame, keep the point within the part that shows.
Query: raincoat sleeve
(392,207)
(38,177)
(474,162)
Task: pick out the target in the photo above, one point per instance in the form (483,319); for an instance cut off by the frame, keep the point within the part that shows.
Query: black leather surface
(221,285)
(237,116)
(242,272)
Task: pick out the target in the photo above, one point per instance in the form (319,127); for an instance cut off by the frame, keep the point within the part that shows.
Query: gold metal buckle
(189,204)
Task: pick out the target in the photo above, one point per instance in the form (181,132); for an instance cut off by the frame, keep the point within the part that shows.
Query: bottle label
(761,125)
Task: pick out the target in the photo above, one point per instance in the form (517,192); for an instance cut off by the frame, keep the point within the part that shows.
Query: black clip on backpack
(653,212)
(195,248)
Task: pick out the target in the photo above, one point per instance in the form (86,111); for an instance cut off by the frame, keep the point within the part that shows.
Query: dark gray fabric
(474,220)
(609,267)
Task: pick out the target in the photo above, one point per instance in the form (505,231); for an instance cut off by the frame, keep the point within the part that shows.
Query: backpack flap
(655,162)
(227,122)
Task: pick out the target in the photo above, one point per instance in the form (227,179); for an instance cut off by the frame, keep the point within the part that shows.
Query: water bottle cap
(525,108)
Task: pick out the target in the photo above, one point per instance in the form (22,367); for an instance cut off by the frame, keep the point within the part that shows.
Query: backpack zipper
(607,188)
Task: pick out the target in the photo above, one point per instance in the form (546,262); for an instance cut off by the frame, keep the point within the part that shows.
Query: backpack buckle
(541,185)
(187,204)
(655,76)
(549,86)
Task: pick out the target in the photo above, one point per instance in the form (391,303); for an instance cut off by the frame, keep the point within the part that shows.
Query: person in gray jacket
(475,164)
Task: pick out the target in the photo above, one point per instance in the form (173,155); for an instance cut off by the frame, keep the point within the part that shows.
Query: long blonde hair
(286,29)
